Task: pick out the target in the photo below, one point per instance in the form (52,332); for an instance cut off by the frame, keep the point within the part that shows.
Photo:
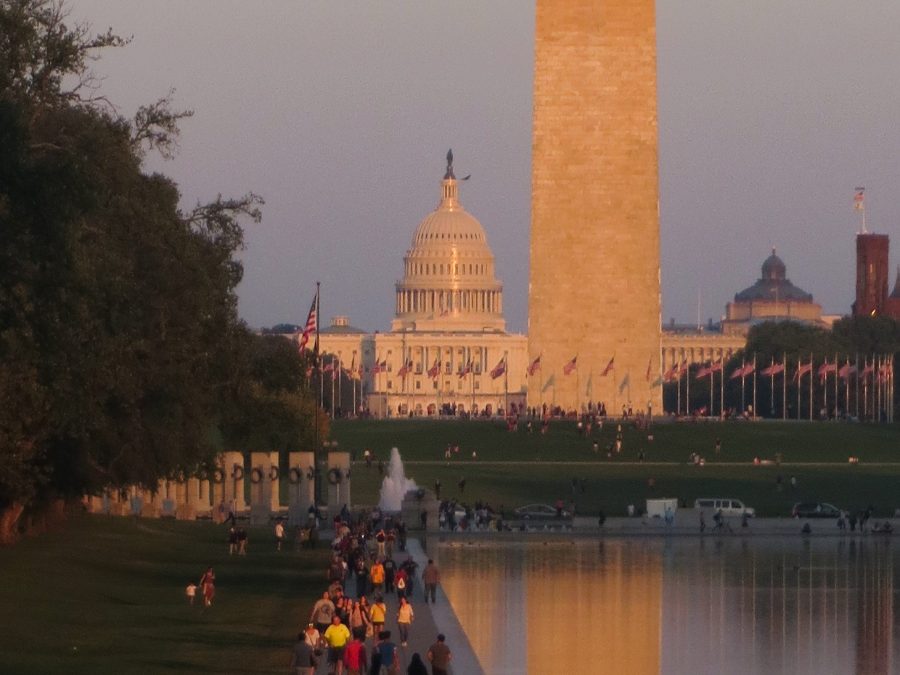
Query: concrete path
(429,620)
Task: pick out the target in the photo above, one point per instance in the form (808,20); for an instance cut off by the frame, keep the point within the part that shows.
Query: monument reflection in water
(713,605)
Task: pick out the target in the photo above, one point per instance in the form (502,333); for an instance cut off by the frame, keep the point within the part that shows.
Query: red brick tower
(871,274)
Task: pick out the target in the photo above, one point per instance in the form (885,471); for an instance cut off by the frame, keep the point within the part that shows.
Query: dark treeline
(122,358)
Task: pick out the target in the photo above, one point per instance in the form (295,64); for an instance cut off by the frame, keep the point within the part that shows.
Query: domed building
(448,350)
(772,298)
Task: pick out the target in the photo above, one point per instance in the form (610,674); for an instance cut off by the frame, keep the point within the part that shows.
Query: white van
(728,507)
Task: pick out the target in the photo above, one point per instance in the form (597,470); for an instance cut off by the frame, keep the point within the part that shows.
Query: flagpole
(799,383)
(722,388)
(856,392)
(687,391)
(811,386)
(332,386)
(577,389)
(317,450)
(506,383)
(743,405)
(754,386)
(678,391)
(772,388)
(712,376)
(836,396)
(784,389)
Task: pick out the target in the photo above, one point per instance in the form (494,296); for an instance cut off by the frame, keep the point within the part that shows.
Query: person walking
(303,659)
(377,613)
(416,666)
(355,657)
(405,617)
(439,656)
(322,613)
(208,586)
(279,535)
(337,636)
(431,576)
(387,654)
(376,575)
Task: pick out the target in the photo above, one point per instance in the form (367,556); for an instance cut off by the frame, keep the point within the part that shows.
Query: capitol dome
(448,277)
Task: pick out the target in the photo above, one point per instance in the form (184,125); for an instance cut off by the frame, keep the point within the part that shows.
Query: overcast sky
(340,113)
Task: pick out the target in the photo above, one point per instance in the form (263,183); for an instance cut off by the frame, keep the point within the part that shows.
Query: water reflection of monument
(685,606)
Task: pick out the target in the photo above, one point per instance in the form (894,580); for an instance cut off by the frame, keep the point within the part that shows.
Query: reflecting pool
(679,605)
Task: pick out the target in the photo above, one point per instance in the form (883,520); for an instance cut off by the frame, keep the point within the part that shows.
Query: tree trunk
(9,521)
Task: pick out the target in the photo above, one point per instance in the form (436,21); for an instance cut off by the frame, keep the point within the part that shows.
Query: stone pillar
(338,481)
(95,504)
(150,508)
(274,476)
(186,499)
(167,498)
(233,465)
(203,507)
(261,487)
(301,487)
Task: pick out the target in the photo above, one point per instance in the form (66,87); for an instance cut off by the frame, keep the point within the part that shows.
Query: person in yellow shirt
(376,574)
(337,635)
(377,614)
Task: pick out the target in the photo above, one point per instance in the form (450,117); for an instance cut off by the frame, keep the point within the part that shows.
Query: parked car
(540,512)
(815,510)
(728,507)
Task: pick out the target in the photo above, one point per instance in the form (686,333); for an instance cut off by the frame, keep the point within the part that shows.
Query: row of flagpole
(877,374)
(879,367)
(355,372)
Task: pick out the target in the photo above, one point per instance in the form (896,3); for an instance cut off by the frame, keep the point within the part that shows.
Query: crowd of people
(347,625)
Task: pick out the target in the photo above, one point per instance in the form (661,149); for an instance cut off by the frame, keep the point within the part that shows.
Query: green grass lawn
(106,595)
(816,453)
(420,439)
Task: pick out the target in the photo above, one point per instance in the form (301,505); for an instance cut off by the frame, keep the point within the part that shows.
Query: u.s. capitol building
(448,349)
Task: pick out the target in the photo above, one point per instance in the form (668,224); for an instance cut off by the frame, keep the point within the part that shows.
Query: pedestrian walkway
(432,619)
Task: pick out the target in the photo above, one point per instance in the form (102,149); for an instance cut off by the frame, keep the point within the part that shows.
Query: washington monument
(594,293)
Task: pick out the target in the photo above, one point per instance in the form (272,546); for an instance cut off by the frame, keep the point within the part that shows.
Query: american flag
(802,370)
(435,370)
(570,366)
(846,370)
(535,366)
(405,368)
(465,371)
(772,370)
(312,323)
(859,199)
(826,368)
(499,369)
(609,366)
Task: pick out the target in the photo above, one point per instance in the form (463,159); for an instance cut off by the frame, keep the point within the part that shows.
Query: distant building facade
(448,350)
(772,298)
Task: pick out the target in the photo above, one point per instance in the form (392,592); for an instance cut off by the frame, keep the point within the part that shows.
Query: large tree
(120,344)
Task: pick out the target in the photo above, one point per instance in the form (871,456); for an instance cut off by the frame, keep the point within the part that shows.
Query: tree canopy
(122,356)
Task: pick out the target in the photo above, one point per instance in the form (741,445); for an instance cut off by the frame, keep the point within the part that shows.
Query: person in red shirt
(355,657)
